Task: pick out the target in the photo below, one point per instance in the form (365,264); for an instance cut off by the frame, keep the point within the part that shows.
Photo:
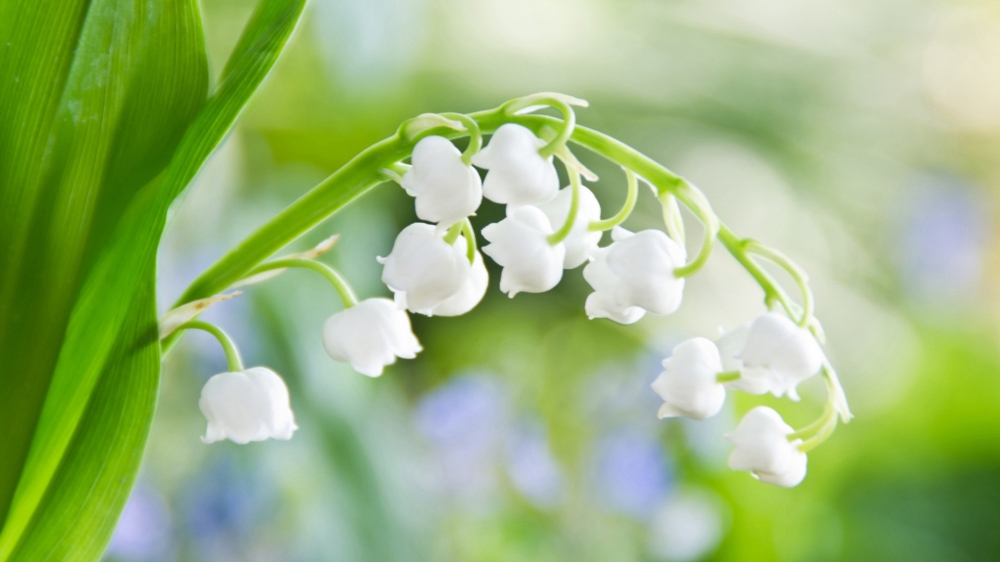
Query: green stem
(344,290)
(453,232)
(626,210)
(475,135)
(559,103)
(233,359)
(470,240)
(797,273)
(672,219)
(696,202)
(772,291)
(395,172)
(728,376)
(574,206)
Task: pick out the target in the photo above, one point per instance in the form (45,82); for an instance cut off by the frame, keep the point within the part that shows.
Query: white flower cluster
(432,276)
(771,354)
(435,268)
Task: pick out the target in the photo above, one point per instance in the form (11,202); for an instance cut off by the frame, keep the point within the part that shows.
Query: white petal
(470,294)
(246,406)
(446,190)
(518,175)
(581,241)
(370,335)
(519,243)
(425,267)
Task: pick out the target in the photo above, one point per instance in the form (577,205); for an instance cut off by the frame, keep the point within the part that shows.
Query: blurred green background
(859,137)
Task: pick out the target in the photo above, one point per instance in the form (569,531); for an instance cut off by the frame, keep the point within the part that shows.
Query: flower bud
(688,386)
(633,275)
(519,243)
(244,406)
(445,188)
(370,335)
(777,356)
(581,241)
(518,175)
(469,295)
(424,270)
(761,445)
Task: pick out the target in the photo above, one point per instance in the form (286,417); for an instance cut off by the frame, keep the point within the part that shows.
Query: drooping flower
(581,241)
(424,270)
(519,243)
(370,335)
(518,174)
(777,356)
(244,406)
(469,295)
(634,275)
(688,386)
(446,189)
(761,445)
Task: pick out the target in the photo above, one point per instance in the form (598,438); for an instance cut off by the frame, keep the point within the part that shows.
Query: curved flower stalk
(243,405)
(545,231)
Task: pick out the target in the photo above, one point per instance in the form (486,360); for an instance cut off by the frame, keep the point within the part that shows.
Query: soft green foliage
(104,122)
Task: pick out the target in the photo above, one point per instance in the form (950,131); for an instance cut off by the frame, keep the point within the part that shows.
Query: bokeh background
(859,137)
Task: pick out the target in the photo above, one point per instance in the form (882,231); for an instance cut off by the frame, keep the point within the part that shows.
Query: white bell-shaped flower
(634,275)
(777,356)
(518,175)
(370,335)
(445,188)
(469,295)
(688,386)
(581,241)
(519,243)
(424,270)
(761,445)
(244,406)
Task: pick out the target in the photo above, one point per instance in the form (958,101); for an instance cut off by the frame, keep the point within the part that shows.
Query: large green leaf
(90,435)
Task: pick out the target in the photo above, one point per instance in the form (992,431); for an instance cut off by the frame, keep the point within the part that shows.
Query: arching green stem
(728,376)
(233,359)
(797,273)
(470,240)
(453,232)
(630,198)
(695,200)
(344,290)
(574,206)
(475,135)
(561,103)
(672,219)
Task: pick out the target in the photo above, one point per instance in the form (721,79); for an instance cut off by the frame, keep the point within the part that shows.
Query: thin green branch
(574,206)
(233,359)
(475,136)
(344,290)
(470,240)
(630,198)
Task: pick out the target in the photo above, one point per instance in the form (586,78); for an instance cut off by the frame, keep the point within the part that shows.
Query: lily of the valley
(469,294)
(248,405)
(776,355)
(423,269)
(519,243)
(689,385)
(635,275)
(581,241)
(518,174)
(761,446)
(370,335)
(446,189)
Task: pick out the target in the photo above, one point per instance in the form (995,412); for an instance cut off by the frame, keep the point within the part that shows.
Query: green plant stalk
(470,240)
(233,359)
(574,207)
(344,290)
(364,172)
(630,198)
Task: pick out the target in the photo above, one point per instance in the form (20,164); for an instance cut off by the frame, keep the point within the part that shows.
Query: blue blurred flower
(945,236)
(532,469)
(631,473)
(144,529)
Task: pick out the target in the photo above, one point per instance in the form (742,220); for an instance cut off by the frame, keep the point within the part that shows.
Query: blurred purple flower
(144,529)
(465,420)
(631,473)
(226,502)
(532,469)
(945,236)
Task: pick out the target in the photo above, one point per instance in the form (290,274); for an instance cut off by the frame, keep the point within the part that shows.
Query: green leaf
(98,408)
